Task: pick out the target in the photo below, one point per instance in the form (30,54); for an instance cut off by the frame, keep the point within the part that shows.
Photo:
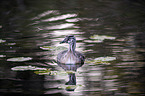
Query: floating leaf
(101,60)
(50,72)
(70,86)
(97,62)
(24,68)
(2,56)
(19,59)
(46,72)
(102,37)
(98,38)
(53,48)
(2,41)
(11,43)
(93,41)
(70,72)
(105,58)
(46,48)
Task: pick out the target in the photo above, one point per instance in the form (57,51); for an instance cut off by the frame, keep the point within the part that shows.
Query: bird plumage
(70,56)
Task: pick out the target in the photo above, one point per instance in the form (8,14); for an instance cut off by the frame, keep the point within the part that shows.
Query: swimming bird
(70,59)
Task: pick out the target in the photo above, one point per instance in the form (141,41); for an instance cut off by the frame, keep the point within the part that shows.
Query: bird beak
(61,42)
(64,41)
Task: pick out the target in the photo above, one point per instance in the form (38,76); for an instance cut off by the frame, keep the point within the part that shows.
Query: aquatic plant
(101,60)
(19,59)
(24,68)
(1,56)
(2,41)
(99,38)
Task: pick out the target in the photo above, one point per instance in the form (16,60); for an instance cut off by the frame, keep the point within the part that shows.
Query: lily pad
(100,38)
(70,72)
(93,41)
(105,58)
(101,60)
(97,62)
(11,43)
(46,47)
(24,68)
(2,41)
(70,86)
(19,59)
(53,48)
(50,72)
(1,56)
(46,72)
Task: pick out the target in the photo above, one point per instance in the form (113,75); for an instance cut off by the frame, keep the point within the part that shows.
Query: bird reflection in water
(70,59)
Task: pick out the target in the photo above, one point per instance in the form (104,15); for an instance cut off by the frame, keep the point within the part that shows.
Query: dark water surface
(28,25)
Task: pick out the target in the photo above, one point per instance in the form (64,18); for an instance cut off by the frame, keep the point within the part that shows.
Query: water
(27,27)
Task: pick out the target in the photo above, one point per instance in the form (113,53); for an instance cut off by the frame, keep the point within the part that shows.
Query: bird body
(70,56)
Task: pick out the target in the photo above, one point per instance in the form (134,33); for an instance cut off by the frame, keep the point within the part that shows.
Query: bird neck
(72,47)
